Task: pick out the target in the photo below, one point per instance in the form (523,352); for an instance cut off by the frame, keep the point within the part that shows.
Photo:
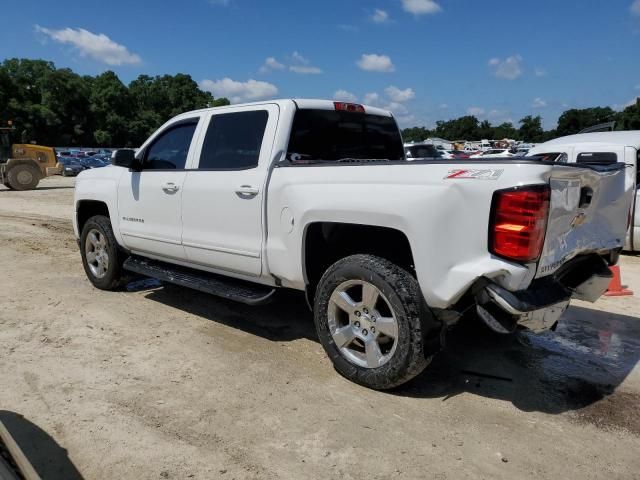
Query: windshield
(336,135)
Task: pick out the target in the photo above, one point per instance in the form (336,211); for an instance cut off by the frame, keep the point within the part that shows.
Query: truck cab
(602,148)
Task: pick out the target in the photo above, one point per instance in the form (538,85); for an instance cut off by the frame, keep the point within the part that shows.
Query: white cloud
(221,3)
(238,92)
(443,106)
(371,98)
(88,44)
(380,16)
(345,96)
(372,62)
(299,58)
(305,69)
(510,68)
(421,7)
(302,65)
(538,103)
(299,64)
(476,111)
(635,7)
(397,108)
(397,95)
(540,72)
(270,64)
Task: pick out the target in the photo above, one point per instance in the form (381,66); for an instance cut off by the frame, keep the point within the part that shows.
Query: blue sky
(424,59)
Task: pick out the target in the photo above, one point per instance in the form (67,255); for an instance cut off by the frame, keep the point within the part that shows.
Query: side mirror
(125,158)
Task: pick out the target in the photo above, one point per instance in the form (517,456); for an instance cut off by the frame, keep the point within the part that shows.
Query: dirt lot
(163,382)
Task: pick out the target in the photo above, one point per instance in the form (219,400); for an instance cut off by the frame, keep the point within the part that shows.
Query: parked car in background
(460,154)
(92,162)
(494,153)
(601,148)
(70,166)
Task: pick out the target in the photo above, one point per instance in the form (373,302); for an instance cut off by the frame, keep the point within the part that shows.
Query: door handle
(170,187)
(247,190)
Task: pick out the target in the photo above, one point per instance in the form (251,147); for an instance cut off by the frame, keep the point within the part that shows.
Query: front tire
(102,258)
(373,322)
(23,177)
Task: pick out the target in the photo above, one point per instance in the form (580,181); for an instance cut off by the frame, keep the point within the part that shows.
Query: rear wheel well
(327,242)
(88,209)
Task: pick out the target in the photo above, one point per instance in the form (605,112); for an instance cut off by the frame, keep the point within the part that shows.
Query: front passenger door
(150,201)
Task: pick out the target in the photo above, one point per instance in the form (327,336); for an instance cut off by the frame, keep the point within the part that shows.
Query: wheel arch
(324,243)
(85,209)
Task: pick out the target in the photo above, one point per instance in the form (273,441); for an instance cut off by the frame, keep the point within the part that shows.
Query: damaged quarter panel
(444,217)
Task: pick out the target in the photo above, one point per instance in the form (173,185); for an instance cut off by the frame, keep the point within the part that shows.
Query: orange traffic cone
(616,289)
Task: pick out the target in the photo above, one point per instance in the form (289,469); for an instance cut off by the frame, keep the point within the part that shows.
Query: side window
(233,140)
(169,151)
(551,157)
(597,158)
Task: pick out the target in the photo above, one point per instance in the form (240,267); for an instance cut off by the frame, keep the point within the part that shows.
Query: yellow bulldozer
(22,166)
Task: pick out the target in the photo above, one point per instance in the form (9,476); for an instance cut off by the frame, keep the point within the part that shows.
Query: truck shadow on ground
(49,459)
(582,362)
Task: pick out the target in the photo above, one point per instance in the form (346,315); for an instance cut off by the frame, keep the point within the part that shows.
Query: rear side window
(169,151)
(233,140)
(335,135)
(599,158)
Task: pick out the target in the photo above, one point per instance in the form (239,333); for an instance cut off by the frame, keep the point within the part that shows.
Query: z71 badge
(475,174)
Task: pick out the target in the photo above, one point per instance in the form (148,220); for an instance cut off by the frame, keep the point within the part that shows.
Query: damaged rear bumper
(539,307)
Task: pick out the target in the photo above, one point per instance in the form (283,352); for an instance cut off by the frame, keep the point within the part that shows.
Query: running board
(225,287)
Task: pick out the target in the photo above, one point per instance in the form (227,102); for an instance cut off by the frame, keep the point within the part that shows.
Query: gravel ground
(163,382)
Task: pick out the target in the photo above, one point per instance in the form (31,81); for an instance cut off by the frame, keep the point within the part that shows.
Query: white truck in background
(317,196)
(602,148)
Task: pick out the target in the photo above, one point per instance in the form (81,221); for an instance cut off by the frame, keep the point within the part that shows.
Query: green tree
(458,129)
(574,120)
(505,130)
(629,118)
(415,134)
(531,129)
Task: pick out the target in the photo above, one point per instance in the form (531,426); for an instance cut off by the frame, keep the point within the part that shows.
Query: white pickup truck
(317,196)
(601,147)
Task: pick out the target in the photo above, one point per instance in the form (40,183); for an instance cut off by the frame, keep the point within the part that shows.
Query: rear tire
(373,322)
(102,257)
(23,177)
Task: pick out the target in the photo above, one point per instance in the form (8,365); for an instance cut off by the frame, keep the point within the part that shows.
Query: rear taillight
(519,222)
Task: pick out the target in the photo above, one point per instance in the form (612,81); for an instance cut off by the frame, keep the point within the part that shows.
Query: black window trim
(173,126)
(206,129)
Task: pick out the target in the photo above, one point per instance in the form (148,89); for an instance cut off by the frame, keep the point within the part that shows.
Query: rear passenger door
(222,203)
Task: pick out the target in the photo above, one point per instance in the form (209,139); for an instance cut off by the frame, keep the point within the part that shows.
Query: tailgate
(588,213)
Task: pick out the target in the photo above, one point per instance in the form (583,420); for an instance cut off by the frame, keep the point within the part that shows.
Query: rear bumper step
(225,287)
